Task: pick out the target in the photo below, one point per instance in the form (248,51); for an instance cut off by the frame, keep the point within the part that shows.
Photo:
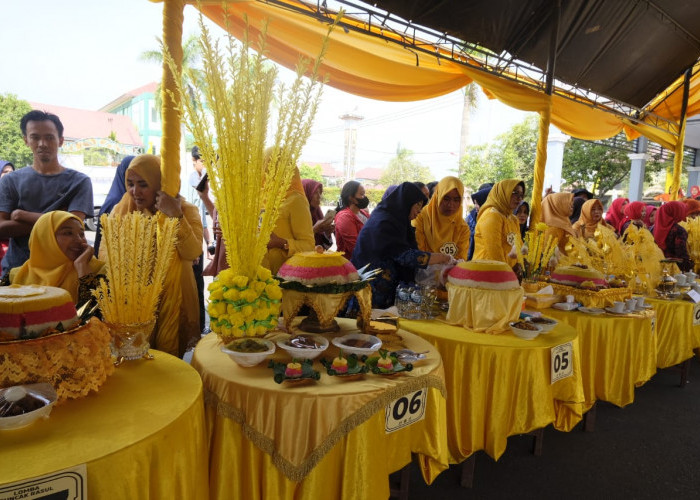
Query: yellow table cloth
(676,335)
(323,440)
(618,353)
(142,436)
(500,385)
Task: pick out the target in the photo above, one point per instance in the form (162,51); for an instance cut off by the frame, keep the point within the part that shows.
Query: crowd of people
(43,206)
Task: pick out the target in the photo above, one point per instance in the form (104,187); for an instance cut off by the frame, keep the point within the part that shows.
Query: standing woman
(670,236)
(440,226)
(178,311)
(591,218)
(388,242)
(351,216)
(323,227)
(556,210)
(497,229)
(616,213)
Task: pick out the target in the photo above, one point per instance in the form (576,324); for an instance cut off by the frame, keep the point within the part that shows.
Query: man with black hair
(42,187)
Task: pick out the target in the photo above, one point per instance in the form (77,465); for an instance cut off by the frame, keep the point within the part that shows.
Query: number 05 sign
(562,361)
(405,410)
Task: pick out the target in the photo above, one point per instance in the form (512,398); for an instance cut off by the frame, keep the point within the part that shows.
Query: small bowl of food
(249,352)
(21,405)
(546,324)
(304,346)
(525,329)
(358,344)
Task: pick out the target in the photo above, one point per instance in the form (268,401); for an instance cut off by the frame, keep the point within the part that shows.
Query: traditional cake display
(30,311)
(314,268)
(41,341)
(486,274)
(484,296)
(577,276)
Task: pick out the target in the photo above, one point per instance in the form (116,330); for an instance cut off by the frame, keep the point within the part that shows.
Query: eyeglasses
(518,194)
(447,199)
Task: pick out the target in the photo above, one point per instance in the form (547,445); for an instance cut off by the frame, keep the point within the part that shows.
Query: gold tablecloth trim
(299,472)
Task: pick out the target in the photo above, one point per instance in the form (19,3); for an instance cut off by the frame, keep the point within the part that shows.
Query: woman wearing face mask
(351,216)
(388,242)
(440,226)
(60,256)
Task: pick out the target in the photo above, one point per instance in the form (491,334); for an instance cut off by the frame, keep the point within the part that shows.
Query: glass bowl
(304,352)
(525,333)
(248,359)
(546,324)
(43,392)
(341,343)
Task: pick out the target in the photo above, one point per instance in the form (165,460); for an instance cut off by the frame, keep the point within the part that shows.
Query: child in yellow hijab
(60,256)
(497,229)
(178,312)
(556,209)
(440,226)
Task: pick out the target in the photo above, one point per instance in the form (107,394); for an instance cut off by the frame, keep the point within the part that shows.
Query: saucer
(644,307)
(612,311)
(591,310)
(565,306)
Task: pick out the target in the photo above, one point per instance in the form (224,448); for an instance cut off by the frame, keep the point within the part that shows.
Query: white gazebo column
(555,159)
(637,170)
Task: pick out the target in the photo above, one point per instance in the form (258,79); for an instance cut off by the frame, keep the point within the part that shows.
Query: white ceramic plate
(565,306)
(591,310)
(621,313)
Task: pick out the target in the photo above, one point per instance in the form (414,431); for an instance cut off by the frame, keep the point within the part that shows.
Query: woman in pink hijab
(670,236)
(650,217)
(634,214)
(616,213)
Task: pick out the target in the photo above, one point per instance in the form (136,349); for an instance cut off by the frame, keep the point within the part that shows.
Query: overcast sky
(85,53)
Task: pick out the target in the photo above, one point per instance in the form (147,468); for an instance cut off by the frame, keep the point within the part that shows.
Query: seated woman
(178,313)
(591,218)
(351,215)
(323,226)
(440,226)
(634,214)
(523,214)
(497,229)
(693,207)
(650,217)
(670,236)
(294,231)
(616,213)
(60,256)
(388,242)
(556,210)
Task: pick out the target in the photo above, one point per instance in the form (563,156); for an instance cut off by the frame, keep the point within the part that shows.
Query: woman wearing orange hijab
(178,312)
(60,256)
(440,226)
(591,218)
(556,209)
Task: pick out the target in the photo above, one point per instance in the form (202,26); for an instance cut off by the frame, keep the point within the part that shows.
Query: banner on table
(67,483)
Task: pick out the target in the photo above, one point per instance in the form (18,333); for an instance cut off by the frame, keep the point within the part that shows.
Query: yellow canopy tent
(376,62)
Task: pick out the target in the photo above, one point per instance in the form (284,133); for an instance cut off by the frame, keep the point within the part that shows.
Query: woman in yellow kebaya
(556,209)
(497,229)
(60,256)
(178,312)
(294,231)
(591,218)
(440,226)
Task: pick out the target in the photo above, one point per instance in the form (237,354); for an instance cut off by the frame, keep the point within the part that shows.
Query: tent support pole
(678,158)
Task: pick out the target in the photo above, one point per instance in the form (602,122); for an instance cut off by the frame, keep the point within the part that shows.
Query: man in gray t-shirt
(44,186)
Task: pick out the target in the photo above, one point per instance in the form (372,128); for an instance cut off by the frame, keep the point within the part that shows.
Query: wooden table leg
(467,478)
(538,441)
(589,419)
(685,369)
(401,492)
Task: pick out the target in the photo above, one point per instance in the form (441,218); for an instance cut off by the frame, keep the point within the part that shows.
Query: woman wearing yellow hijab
(178,312)
(556,209)
(497,229)
(591,218)
(59,256)
(294,231)
(440,226)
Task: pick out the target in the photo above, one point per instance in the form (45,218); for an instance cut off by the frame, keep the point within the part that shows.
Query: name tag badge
(405,410)
(562,365)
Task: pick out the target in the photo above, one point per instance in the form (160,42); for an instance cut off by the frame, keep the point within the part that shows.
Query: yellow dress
(294,225)
(497,229)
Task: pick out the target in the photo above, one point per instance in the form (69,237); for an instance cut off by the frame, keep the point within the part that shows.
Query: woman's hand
(82,263)
(323,226)
(170,206)
(277,242)
(439,258)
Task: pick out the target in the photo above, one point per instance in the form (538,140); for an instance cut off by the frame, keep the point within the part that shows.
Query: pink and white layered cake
(485,274)
(577,275)
(30,311)
(314,268)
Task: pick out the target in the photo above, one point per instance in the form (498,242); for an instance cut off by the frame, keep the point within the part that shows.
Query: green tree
(310,172)
(12,146)
(403,168)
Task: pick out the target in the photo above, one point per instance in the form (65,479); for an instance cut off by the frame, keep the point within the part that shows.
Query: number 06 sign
(405,410)
(562,361)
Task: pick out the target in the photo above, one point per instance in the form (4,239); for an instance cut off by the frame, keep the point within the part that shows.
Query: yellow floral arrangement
(692,225)
(540,251)
(229,115)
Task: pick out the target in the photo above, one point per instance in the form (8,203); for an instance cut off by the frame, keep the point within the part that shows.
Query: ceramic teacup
(640,301)
(680,279)
(690,276)
(630,304)
(618,306)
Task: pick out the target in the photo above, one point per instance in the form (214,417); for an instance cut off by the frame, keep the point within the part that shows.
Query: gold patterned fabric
(143,436)
(326,305)
(588,298)
(74,362)
(332,425)
(618,353)
(499,385)
(482,310)
(676,335)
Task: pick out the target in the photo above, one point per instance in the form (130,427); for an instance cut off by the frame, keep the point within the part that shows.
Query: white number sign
(405,410)
(696,315)
(562,361)
(67,483)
